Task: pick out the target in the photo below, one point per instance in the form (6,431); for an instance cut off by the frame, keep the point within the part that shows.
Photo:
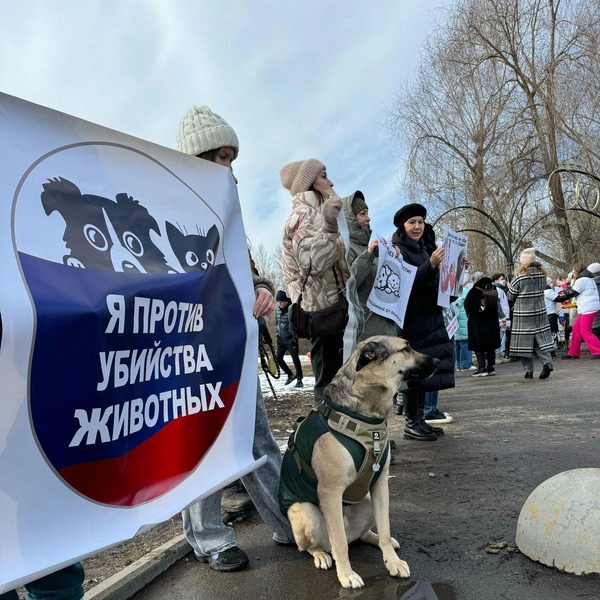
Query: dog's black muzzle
(425,368)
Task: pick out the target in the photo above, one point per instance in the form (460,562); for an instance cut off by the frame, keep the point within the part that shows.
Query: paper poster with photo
(393,285)
(128,357)
(451,319)
(452,268)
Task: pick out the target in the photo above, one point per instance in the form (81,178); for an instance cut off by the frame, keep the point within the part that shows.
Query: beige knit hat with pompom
(201,130)
(300,175)
(528,256)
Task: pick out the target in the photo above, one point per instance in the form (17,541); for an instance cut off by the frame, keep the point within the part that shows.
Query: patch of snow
(285,390)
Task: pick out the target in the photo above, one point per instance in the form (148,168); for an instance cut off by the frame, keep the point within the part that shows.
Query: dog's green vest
(364,438)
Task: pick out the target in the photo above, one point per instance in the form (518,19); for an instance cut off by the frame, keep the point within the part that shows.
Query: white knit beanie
(528,256)
(300,175)
(594,268)
(201,130)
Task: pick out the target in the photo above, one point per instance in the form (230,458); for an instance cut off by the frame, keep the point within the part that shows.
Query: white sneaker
(471,368)
(438,417)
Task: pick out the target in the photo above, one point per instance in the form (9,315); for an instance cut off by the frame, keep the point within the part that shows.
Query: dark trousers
(326,357)
(65,584)
(490,355)
(553,319)
(507,333)
(282,347)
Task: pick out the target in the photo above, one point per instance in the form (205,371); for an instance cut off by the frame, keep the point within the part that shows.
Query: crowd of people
(497,319)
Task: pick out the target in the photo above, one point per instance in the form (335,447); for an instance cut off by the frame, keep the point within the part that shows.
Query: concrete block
(559,524)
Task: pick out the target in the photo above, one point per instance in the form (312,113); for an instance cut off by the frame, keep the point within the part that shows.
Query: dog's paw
(322,560)
(395,544)
(398,568)
(351,580)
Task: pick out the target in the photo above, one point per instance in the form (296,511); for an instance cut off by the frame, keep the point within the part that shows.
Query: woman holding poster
(424,326)
(363,263)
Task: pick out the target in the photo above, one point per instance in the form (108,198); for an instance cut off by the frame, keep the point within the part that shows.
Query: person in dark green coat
(363,261)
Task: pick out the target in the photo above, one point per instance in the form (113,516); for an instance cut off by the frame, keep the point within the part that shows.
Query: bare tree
(505,92)
(269,264)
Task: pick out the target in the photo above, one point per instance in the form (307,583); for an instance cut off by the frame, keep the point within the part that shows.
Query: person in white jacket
(584,289)
(499,282)
(549,295)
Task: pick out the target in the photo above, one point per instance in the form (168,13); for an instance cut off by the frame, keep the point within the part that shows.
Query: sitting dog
(334,479)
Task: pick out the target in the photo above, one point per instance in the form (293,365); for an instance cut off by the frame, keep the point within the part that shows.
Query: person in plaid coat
(530,327)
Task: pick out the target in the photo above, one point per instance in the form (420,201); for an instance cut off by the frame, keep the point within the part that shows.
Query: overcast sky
(295,79)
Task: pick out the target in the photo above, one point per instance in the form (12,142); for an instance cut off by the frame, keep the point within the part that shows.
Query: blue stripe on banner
(186,358)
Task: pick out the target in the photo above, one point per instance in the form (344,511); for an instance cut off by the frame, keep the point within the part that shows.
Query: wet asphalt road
(449,500)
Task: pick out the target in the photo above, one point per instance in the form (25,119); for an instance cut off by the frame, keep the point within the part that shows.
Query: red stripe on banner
(158,464)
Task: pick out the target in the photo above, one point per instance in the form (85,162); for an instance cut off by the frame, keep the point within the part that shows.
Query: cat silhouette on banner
(110,235)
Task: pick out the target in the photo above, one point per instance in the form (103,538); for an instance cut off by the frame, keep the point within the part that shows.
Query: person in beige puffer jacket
(313,251)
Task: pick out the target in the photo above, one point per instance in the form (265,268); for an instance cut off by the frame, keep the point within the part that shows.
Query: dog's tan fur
(382,362)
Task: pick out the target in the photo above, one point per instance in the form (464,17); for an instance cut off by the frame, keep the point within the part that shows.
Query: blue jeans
(464,357)
(431,399)
(202,522)
(502,349)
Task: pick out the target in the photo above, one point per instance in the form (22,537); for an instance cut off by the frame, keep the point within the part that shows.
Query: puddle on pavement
(394,589)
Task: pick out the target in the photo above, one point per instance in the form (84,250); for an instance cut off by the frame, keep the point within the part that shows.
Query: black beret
(408,212)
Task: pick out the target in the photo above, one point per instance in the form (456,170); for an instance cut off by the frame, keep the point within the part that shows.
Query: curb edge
(132,579)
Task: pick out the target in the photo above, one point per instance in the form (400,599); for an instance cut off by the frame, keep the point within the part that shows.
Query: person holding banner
(205,134)
(424,326)
(313,258)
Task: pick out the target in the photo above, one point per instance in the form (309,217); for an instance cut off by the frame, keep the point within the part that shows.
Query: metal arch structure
(574,170)
(504,240)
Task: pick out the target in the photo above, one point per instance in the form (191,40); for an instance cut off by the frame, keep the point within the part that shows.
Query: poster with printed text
(453,266)
(393,284)
(128,351)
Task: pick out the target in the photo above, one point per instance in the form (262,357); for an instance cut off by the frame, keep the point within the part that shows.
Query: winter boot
(413,430)
(426,426)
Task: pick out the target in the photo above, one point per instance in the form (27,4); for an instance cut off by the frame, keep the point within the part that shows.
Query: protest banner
(452,268)
(128,357)
(393,284)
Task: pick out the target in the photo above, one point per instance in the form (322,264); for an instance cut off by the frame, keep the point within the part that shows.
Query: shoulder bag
(328,321)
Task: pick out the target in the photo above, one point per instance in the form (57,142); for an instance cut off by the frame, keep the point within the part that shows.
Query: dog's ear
(372,351)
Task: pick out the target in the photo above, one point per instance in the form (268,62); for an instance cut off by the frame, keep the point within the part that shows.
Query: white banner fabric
(128,357)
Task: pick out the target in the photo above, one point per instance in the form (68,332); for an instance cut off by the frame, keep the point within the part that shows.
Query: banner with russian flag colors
(128,362)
